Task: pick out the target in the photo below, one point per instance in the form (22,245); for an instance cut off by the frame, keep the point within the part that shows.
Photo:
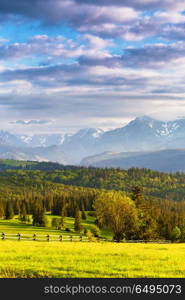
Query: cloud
(140,4)
(53,48)
(137,68)
(32,122)
(105,18)
(67,11)
(118,59)
(149,56)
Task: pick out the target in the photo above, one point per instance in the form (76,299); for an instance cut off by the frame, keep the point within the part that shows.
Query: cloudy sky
(70,64)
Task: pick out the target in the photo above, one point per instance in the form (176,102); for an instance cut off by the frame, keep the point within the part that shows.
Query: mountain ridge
(170,160)
(139,135)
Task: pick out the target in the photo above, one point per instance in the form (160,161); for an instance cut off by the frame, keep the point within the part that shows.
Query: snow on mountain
(141,134)
(44,140)
(7,138)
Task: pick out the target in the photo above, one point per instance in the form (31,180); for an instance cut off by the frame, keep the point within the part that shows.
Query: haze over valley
(143,142)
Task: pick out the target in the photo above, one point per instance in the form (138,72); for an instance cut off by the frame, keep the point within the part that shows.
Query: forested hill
(153,184)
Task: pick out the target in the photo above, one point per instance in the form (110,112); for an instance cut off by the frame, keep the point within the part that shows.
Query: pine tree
(9,213)
(39,219)
(137,196)
(62,219)
(83,213)
(1,209)
(23,212)
(147,223)
(16,207)
(78,221)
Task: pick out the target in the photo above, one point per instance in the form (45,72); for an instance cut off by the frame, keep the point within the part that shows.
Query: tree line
(132,216)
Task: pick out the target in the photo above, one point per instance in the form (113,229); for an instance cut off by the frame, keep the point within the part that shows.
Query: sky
(72,64)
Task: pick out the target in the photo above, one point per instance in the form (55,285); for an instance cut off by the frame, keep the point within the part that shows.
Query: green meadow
(36,259)
(15,226)
(90,260)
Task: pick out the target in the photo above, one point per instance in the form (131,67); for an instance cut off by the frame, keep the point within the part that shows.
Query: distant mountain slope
(164,161)
(140,135)
(53,153)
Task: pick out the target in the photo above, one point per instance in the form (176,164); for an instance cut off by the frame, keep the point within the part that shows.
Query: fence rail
(69,238)
(47,237)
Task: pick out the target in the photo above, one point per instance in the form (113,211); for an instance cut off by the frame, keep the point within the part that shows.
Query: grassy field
(15,226)
(60,259)
(42,259)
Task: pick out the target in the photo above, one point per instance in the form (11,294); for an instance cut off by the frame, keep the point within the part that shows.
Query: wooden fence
(71,238)
(47,237)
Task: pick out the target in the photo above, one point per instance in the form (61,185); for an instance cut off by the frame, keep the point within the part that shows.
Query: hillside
(39,188)
(163,161)
(154,184)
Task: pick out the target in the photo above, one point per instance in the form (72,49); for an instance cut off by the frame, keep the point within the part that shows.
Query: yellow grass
(90,260)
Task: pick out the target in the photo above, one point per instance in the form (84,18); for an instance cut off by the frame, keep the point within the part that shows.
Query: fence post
(19,236)
(60,238)
(3,236)
(34,237)
(47,237)
(71,238)
(81,238)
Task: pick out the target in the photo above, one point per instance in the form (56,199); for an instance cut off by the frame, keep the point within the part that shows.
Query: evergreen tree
(16,207)
(147,222)
(23,212)
(83,213)
(9,213)
(78,221)
(1,209)
(62,218)
(55,223)
(137,196)
(39,219)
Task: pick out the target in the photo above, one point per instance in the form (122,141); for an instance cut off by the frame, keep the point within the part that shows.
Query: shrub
(68,230)
(55,223)
(176,233)
(85,231)
(95,231)
(90,236)
(78,220)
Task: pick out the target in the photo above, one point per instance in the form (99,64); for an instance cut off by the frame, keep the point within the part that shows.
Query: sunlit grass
(42,259)
(15,226)
(60,259)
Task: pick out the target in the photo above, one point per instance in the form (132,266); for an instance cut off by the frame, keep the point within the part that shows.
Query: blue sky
(71,64)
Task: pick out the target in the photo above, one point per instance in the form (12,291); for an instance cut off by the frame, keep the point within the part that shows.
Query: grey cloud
(138,30)
(54,12)
(97,17)
(31,122)
(150,56)
(46,8)
(72,75)
(40,44)
(153,55)
(81,74)
(137,4)
(173,32)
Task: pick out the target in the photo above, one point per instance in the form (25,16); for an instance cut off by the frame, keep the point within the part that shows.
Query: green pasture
(90,260)
(15,226)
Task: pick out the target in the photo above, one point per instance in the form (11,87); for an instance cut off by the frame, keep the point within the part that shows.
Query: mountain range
(144,134)
(164,161)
